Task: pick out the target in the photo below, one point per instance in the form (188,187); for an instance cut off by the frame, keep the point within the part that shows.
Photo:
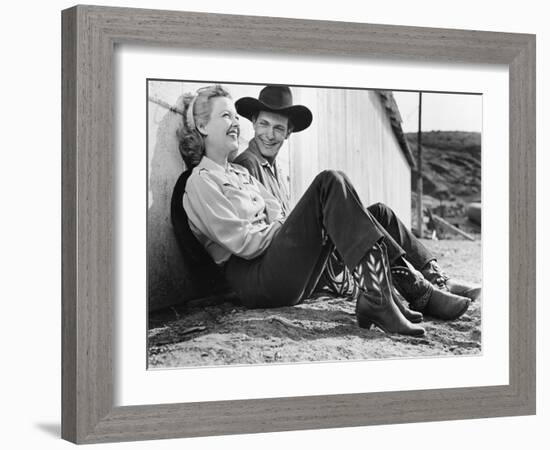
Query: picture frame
(89,37)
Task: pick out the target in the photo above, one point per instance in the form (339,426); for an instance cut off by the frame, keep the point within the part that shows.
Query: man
(274,118)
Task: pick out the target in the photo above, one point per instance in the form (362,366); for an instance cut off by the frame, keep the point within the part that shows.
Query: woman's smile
(223,123)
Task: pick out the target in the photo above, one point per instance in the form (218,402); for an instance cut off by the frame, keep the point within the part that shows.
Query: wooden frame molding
(89,37)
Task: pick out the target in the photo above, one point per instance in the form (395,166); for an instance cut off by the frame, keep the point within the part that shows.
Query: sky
(444,112)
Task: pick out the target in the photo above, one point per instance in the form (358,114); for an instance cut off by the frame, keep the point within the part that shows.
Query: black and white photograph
(293,224)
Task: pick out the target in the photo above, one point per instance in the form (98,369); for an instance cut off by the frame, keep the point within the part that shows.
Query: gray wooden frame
(89,36)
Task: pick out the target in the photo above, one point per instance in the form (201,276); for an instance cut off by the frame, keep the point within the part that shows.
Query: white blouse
(229,211)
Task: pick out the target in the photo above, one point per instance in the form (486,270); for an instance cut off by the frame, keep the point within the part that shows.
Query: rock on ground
(320,329)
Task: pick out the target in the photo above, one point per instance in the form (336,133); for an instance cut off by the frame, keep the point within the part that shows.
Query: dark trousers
(329,216)
(399,239)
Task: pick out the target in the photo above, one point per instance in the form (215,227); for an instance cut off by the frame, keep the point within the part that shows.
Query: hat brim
(299,115)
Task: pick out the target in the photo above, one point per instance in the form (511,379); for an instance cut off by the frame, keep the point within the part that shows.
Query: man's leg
(420,258)
(418,255)
(395,230)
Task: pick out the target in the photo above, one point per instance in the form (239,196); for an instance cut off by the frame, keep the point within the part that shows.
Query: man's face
(270,131)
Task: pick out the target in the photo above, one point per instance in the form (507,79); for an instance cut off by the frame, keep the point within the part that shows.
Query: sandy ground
(320,329)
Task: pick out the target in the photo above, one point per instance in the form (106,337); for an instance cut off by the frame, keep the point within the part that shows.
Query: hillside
(451,174)
(451,164)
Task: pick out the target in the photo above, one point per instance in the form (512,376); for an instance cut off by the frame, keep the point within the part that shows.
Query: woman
(270,261)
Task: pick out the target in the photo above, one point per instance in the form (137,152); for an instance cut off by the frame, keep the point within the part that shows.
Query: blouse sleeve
(215,216)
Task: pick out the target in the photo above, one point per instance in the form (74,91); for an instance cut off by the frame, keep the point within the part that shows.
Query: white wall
(351,132)
(30,281)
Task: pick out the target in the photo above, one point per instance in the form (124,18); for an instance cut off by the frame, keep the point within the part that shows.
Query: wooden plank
(449,227)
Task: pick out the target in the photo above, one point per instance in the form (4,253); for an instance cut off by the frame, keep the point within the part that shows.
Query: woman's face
(221,133)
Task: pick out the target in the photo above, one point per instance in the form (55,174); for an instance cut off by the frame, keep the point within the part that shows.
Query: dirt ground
(320,329)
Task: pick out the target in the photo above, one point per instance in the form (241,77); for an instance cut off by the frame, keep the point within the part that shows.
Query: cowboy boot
(375,303)
(423,296)
(410,315)
(435,275)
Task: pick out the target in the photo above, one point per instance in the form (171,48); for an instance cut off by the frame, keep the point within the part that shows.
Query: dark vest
(201,266)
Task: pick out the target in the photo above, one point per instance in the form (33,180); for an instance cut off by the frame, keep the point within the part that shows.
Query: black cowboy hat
(277,99)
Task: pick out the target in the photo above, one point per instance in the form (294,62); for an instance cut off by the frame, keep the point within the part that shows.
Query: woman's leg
(400,242)
(329,213)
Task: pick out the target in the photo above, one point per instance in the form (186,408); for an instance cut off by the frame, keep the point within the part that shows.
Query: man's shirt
(267,174)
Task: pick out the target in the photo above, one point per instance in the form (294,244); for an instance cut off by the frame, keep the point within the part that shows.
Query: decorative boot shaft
(372,275)
(375,303)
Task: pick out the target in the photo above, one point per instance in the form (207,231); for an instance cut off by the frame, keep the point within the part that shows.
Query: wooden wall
(351,132)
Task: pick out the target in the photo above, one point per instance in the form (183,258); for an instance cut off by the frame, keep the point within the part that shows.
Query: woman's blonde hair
(196,111)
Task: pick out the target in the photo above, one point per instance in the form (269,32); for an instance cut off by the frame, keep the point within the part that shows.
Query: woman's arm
(272,206)
(216,217)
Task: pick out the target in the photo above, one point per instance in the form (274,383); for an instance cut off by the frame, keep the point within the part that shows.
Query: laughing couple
(272,255)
